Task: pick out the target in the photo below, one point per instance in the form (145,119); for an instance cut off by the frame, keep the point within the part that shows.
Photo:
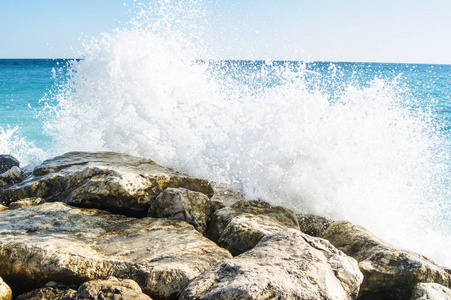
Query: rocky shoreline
(112,226)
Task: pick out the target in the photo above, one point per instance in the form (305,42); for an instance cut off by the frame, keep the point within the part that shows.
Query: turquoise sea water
(365,142)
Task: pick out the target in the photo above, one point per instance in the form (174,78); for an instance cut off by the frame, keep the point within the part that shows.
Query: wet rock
(240,227)
(115,182)
(288,265)
(5,291)
(313,225)
(431,291)
(26,202)
(12,176)
(182,204)
(54,241)
(7,162)
(390,273)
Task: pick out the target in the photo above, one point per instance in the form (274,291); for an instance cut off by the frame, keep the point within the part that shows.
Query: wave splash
(271,129)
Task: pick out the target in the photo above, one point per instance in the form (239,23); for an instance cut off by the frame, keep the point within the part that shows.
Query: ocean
(360,141)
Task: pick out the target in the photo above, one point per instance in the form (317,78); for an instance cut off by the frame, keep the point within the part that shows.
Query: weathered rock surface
(7,162)
(313,225)
(239,227)
(288,265)
(431,291)
(54,241)
(389,273)
(48,293)
(105,180)
(182,204)
(5,291)
(26,202)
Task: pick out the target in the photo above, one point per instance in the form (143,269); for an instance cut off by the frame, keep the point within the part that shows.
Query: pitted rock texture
(54,241)
(239,227)
(110,181)
(288,265)
(390,273)
(182,204)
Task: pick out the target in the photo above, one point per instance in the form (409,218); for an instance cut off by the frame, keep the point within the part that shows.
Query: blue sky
(347,30)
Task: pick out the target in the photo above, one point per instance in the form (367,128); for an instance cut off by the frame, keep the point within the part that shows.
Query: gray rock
(7,162)
(313,225)
(5,291)
(288,265)
(115,182)
(240,227)
(431,291)
(390,273)
(26,202)
(12,176)
(182,204)
(54,241)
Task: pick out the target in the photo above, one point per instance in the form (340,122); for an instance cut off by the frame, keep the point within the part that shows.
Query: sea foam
(361,153)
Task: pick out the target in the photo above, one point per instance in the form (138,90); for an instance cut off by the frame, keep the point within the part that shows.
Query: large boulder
(5,291)
(54,241)
(390,273)
(242,225)
(7,162)
(288,265)
(182,204)
(431,291)
(110,181)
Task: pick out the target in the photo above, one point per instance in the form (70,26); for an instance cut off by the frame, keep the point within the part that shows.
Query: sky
(410,31)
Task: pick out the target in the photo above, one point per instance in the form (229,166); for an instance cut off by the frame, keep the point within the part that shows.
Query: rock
(240,227)
(26,202)
(48,293)
(3,207)
(313,225)
(7,162)
(288,265)
(112,288)
(431,291)
(224,195)
(115,182)
(13,175)
(54,241)
(5,291)
(390,273)
(182,204)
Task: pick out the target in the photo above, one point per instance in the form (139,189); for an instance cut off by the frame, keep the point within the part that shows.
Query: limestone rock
(288,265)
(26,202)
(390,273)
(112,288)
(182,204)
(54,241)
(105,180)
(5,291)
(431,291)
(7,162)
(48,293)
(313,225)
(240,227)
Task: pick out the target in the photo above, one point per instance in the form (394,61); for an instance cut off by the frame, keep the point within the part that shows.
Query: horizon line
(253,60)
